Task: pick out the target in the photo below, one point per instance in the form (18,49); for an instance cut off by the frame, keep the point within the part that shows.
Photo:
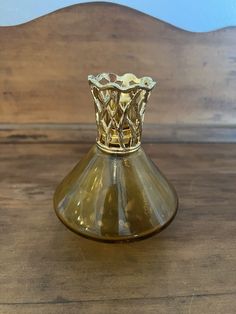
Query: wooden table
(188,268)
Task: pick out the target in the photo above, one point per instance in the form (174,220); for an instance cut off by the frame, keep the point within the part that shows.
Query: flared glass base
(111,197)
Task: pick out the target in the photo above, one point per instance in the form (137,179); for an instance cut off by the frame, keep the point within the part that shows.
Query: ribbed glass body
(115,192)
(113,197)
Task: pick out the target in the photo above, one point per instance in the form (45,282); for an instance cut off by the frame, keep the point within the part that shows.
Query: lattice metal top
(120,103)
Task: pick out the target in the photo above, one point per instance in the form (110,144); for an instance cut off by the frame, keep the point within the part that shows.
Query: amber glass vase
(115,192)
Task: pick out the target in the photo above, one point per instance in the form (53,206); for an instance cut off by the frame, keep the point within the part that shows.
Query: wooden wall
(44,66)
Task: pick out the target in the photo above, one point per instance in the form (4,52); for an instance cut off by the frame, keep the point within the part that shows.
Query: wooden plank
(44,65)
(86,133)
(195,304)
(189,266)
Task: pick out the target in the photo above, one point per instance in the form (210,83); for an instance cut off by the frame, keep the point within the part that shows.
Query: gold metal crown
(120,103)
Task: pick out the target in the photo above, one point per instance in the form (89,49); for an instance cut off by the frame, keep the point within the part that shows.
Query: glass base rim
(121,239)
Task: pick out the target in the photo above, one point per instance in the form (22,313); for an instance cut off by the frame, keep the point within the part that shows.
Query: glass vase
(115,192)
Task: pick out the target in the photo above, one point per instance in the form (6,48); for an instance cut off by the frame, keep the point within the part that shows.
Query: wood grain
(195,304)
(86,133)
(44,66)
(47,125)
(188,268)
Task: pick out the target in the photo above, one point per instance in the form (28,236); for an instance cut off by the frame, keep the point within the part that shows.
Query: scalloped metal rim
(145,82)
